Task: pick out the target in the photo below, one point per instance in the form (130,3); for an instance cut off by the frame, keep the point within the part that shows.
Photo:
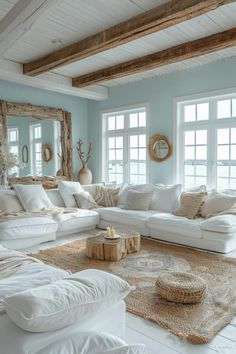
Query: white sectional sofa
(215,234)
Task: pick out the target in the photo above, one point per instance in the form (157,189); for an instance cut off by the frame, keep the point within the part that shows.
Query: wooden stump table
(103,249)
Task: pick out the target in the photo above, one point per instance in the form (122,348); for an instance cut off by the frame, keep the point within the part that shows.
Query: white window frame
(212,125)
(14,143)
(126,132)
(34,141)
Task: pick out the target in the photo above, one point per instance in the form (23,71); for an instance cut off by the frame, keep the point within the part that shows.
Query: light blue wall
(159,93)
(77,106)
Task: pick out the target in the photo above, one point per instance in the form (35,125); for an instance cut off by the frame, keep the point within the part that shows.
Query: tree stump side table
(100,248)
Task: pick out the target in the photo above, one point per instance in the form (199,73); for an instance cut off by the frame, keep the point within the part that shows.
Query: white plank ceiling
(73,20)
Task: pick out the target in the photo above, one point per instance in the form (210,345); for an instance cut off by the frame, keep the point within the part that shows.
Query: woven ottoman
(185,288)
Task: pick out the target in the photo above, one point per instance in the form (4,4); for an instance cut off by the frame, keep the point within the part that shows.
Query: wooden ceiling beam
(20,19)
(171,55)
(156,19)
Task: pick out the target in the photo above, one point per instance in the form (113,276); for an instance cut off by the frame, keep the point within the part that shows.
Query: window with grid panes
(36,149)
(206,142)
(13,141)
(124,146)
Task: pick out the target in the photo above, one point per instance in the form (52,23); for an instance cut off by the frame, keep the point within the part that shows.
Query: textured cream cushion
(84,200)
(137,200)
(216,203)
(10,203)
(106,196)
(165,198)
(190,203)
(64,302)
(32,197)
(67,190)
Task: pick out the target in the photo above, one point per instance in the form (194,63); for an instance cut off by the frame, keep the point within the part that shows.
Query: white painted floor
(157,339)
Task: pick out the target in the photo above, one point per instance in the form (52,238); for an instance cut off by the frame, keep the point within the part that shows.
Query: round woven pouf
(185,288)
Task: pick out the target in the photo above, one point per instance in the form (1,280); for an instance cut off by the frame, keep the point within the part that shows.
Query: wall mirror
(159,148)
(40,136)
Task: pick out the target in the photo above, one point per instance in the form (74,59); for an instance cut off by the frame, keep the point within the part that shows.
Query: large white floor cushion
(66,301)
(137,218)
(21,228)
(176,224)
(70,222)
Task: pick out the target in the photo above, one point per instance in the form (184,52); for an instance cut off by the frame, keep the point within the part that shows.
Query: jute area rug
(198,323)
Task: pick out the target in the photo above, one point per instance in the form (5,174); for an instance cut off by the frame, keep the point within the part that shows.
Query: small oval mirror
(159,147)
(46,152)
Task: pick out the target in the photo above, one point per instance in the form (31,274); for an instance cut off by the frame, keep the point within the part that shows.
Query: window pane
(201,170)
(222,183)
(190,113)
(119,154)
(233,152)
(201,137)
(133,120)
(134,141)
(189,153)
(134,179)
(223,152)
(142,140)
(233,171)
(223,109)
(142,154)
(222,171)
(111,143)
(142,119)
(189,138)
(142,168)
(134,168)
(200,180)
(189,170)
(119,178)
(233,135)
(119,142)
(142,179)
(112,177)
(120,122)
(203,111)
(134,154)
(111,123)
(201,152)
(111,154)
(233,183)
(234,107)
(223,136)
(189,182)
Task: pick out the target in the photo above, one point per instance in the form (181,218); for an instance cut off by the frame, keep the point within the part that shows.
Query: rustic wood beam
(171,55)
(20,19)
(156,19)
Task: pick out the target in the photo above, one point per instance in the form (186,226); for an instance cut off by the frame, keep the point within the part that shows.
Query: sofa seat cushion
(76,221)
(221,223)
(176,224)
(21,228)
(137,218)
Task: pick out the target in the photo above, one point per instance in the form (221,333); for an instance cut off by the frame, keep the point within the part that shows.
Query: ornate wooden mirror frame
(43,113)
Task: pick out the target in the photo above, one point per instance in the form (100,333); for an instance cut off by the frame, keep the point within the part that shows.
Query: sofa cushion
(76,221)
(221,223)
(137,218)
(9,202)
(165,198)
(33,197)
(125,188)
(84,200)
(216,203)
(21,228)
(67,190)
(137,200)
(190,203)
(55,197)
(176,224)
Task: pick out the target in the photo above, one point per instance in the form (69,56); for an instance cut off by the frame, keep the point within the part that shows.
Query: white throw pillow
(67,190)
(64,302)
(10,203)
(91,343)
(84,200)
(165,198)
(137,200)
(221,223)
(33,197)
(125,188)
(217,203)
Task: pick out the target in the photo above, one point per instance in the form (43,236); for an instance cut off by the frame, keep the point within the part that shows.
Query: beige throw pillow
(217,203)
(106,196)
(9,203)
(190,203)
(84,200)
(137,200)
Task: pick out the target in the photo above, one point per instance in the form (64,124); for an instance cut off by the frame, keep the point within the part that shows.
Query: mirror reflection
(161,148)
(27,137)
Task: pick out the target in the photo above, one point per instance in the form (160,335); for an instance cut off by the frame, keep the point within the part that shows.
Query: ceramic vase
(85,175)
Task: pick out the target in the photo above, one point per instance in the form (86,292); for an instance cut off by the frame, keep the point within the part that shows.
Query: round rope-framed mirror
(159,148)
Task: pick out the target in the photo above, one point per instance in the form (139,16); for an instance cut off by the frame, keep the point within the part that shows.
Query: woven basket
(185,288)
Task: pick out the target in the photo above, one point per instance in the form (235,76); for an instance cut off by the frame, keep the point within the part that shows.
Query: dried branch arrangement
(84,157)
